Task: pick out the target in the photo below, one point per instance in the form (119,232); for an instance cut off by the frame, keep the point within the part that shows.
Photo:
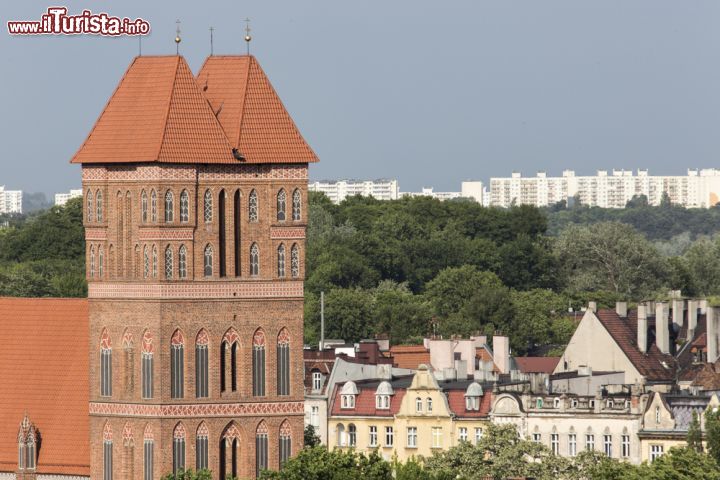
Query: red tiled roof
(624,332)
(456,402)
(537,364)
(365,403)
(250,111)
(44,373)
(156,114)
(409,356)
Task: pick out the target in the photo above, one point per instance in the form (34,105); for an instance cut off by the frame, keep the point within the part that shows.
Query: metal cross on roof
(248,38)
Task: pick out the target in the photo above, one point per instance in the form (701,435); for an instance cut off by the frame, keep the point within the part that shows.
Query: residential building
(473,190)
(697,189)
(409,415)
(10,200)
(195,216)
(62,198)
(339,190)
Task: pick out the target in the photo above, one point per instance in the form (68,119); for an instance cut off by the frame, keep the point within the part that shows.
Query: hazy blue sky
(428,92)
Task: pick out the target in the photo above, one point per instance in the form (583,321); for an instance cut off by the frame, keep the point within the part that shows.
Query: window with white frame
(626,446)
(589,442)
(478,435)
(184,207)
(347,401)
(418,405)
(437,437)
(389,436)
(352,435)
(315,416)
(656,451)
(462,434)
(316,380)
(537,437)
(412,437)
(572,444)
(382,402)
(472,403)
(373,440)
(607,445)
(429,405)
(555,443)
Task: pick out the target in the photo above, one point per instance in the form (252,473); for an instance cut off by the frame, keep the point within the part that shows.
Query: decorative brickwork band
(165,234)
(197,410)
(185,173)
(281,233)
(95,234)
(236,290)
(238,173)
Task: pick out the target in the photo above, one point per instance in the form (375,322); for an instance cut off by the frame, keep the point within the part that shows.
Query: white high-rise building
(339,190)
(62,198)
(473,190)
(697,189)
(10,200)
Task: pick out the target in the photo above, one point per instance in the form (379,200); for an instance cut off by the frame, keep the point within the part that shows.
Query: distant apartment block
(470,189)
(339,190)
(62,198)
(10,200)
(698,189)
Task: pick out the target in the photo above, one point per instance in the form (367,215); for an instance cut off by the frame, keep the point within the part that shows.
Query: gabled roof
(250,111)
(44,374)
(409,356)
(156,114)
(624,333)
(537,364)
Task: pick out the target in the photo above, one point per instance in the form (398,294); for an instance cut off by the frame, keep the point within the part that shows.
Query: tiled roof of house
(537,364)
(624,333)
(484,355)
(456,402)
(708,376)
(409,356)
(365,400)
(156,114)
(44,374)
(250,111)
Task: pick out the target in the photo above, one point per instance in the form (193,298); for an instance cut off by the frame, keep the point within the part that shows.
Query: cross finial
(177,37)
(248,38)
(212,29)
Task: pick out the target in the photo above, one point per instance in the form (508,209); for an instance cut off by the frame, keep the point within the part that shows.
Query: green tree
(712,432)
(682,464)
(318,463)
(310,438)
(535,313)
(694,435)
(189,474)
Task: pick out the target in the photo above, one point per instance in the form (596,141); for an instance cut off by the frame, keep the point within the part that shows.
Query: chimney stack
(692,318)
(662,332)
(621,309)
(712,334)
(642,326)
(678,307)
(592,306)
(501,353)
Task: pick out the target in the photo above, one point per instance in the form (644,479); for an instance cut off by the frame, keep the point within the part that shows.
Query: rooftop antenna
(248,38)
(211,40)
(177,37)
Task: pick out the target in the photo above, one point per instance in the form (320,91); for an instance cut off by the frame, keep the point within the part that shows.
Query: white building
(470,189)
(10,200)
(62,198)
(698,189)
(339,190)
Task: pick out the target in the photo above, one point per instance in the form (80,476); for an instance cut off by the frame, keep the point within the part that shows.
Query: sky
(428,92)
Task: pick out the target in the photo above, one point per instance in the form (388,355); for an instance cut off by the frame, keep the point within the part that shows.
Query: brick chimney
(678,308)
(501,353)
(662,332)
(642,326)
(692,307)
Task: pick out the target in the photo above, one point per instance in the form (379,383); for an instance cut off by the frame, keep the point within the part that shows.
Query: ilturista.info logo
(56,21)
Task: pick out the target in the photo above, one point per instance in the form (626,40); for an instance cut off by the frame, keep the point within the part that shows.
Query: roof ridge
(251,59)
(107,104)
(167,111)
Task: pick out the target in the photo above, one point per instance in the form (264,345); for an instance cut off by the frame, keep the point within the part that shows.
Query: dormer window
(574,403)
(610,404)
(539,403)
(556,403)
(347,395)
(382,395)
(27,445)
(429,405)
(591,404)
(418,405)
(472,397)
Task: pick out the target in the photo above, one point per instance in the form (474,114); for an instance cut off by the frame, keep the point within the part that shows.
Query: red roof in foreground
(456,402)
(250,111)
(537,364)
(44,373)
(156,114)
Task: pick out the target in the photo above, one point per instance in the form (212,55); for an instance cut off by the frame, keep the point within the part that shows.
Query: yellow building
(408,416)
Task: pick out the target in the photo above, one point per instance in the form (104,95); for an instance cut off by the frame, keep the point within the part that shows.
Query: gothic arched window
(258,363)
(283,362)
(168,262)
(253,206)
(296,205)
(182,262)
(147,365)
(105,364)
(107,452)
(101,261)
(146,262)
(208,261)
(153,206)
(154,261)
(169,206)
(184,207)
(295,261)
(178,452)
(92,261)
(281,201)
(285,442)
(261,448)
(201,447)
(148,453)
(27,445)
(201,364)
(208,207)
(144,206)
(281,261)
(254,260)
(89,206)
(98,206)
(229,352)
(177,365)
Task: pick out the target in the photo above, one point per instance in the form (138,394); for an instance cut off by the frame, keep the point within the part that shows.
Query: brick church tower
(195,212)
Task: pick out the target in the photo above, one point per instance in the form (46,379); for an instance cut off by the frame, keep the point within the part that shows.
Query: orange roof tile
(44,373)
(409,356)
(250,111)
(156,114)
(537,364)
